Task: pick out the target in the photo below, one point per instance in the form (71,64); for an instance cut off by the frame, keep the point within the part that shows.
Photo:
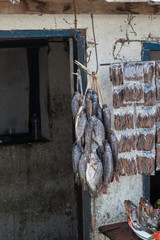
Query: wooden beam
(82,6)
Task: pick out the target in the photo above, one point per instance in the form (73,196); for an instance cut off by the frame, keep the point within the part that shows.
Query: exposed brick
(158,134)
(149,71)
(149,96)
(158,113)
(126,143)
(158,157)
(117,98)
(145,164)
(158,91)
(116,74)
(145,141)
(146,119)
(133,92)
(123,121)
(158,69)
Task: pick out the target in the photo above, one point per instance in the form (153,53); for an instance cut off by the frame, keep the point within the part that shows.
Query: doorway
(37,184)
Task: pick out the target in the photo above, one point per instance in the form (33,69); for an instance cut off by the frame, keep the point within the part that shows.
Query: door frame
(84,220)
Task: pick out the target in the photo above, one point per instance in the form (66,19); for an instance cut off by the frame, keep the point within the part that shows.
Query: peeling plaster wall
(119,37)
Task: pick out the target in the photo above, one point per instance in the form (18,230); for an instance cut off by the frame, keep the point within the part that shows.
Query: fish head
(78,96)
(129,207)
(145,206)
(93,158)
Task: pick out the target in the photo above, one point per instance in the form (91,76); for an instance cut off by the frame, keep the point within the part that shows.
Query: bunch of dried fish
(95,152)
(143,218)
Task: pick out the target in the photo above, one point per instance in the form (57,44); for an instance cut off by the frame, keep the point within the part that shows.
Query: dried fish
(88,135)
(107,120)
(114,147)
(99,113)
(135,215)
(151,215)
(94,146)
(88,103)
(82,170)
(76,154)
(76,103)
(94,103)
(80,124)
(94,173)
(98,133)
(107,167)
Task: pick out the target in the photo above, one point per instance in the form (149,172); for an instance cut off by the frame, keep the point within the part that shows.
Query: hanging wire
(95,44)
(75,23)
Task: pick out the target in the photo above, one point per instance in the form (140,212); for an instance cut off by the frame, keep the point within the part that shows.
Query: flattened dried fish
(99,113)
(76,154)
(88,103)
(82,170)
(98,133)
(94,173)
(107,167)
(80,124)
(76,103)
(94,103)
(107,120)
(88,135)
(114,147)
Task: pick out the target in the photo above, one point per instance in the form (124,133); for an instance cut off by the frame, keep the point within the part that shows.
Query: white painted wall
(119,37)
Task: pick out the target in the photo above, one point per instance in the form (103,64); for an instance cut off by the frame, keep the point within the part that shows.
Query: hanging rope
(95,44)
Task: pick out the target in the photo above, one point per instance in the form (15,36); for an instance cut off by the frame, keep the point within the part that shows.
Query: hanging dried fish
(88,103)
(76,154)
(94,103)
(114,147)
(76,103)
(99,113)
(80,124)
(82,170)
(107,120)
(98,133)
(107,167)
(94,146)
(94,174)
(88,135)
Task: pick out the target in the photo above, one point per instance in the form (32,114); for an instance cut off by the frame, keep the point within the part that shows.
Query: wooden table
(118,231)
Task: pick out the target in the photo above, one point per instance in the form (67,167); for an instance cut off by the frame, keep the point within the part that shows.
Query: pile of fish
(95,152)
(143,218)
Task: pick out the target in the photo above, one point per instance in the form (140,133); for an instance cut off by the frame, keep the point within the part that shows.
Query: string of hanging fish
(95,151)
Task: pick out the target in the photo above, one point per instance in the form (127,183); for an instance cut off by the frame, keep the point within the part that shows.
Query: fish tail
(115,176)
(104,189)
(101,148)
(85,187)
(77,181)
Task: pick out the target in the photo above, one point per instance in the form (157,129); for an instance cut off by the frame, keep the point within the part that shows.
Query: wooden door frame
(84,223)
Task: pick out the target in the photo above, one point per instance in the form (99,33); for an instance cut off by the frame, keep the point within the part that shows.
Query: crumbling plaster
(118,38)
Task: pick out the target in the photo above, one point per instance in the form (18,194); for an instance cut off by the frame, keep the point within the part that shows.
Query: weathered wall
(118,38)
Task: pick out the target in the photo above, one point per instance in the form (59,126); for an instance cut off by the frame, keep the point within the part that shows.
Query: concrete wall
(118,38)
